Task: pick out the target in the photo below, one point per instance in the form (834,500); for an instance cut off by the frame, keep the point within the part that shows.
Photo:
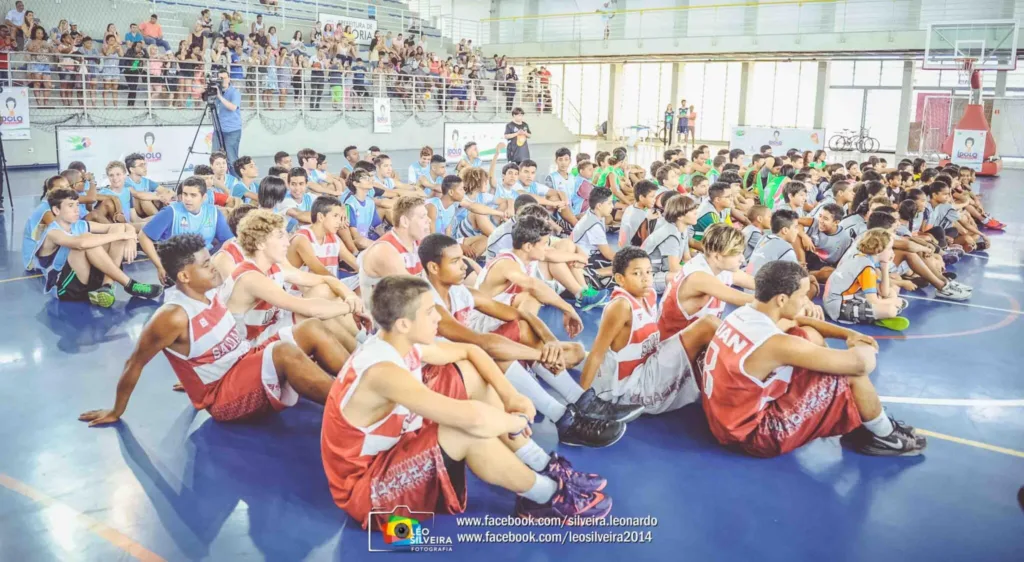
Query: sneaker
(950,259)
(896,324)
(965,288)
(591,298)
(144,290)
(102,297)
(593,407)
(952,292)
(576,430)
(955,249)
(901,442)
(561,469)
(949,275)
(567,502)
(993,224)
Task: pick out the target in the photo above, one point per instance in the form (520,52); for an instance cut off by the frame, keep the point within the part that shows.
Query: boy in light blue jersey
(351,157)
(147,195)
(430,184)
(245,184)
(298,202)
(528,185)
(421,167)
(565,187)
(470,157)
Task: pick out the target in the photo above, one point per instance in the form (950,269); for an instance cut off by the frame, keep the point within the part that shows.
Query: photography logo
(402,530)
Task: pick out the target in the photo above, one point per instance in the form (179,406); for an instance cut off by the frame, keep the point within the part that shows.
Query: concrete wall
(258,141)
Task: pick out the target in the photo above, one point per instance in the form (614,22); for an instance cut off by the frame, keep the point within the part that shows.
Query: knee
(566,244)
(286,355)
(812,335)
(321,292)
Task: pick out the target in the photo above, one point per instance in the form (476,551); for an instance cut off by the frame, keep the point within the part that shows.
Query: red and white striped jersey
(462,303)
(326,251)
(734,400)
(232,249)
(349,450)
(262,315)
(215,345)
(643,332)
(410,258)
(512,289)
(674,319)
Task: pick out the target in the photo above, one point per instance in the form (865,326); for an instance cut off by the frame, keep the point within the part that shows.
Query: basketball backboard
(992,43)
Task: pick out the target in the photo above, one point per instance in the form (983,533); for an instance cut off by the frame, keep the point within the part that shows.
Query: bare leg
(343,328)
(562,273)
(489,459)
(316,341)
(297,369)
(697,336)
(526,303)
(918,266)
(482,223)
(474,246)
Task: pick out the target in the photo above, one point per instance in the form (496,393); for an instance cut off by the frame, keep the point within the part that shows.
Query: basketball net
(968,76)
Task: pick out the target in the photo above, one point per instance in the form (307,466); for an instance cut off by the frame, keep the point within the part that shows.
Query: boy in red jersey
(628,363)
(406,415)
(395,252)
(230,254)
(218,367)
(771,385)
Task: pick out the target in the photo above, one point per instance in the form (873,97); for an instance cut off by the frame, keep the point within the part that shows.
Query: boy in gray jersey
(859,292)
(841,194)
(760,222)
(830,241)
(633,231)
(591,235)
(667,245)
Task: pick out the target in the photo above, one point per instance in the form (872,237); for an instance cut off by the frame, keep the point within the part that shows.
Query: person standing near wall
(229,113)
(517,133)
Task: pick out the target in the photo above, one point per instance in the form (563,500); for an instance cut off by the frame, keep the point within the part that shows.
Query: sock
(880,426)
(563,382)
(542,491)
(533,456)
(528,386)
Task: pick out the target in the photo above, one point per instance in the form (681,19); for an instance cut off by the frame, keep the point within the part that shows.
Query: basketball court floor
(168,484)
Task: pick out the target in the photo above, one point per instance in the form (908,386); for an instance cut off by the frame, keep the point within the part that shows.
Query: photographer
(229,114)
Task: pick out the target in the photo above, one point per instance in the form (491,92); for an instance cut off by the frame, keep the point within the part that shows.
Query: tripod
(4,178)
(210,108)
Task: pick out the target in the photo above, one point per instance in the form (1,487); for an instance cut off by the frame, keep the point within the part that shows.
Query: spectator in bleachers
(134,35)
(257,26)
(16,16)
(133,67)
(153,33)
(111,54)
(93,67)
(272,39)
(205,22)
(112,30)
(225,24)
(62,29)
(25,31)
(39,64)
(7,45)
(197,38)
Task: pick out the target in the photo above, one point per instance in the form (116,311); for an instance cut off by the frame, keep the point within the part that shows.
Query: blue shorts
(684,127)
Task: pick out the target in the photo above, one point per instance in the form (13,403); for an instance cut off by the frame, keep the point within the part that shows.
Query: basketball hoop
(964,69)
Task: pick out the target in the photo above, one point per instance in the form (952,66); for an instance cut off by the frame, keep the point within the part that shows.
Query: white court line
(944,301)
(952,401)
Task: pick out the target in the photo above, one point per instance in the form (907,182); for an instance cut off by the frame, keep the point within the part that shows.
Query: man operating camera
(229,115)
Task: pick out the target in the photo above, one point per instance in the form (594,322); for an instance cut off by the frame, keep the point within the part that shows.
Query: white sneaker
(965,288)
(952,293)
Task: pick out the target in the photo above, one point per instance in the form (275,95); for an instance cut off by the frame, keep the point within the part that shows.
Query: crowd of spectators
(324,67)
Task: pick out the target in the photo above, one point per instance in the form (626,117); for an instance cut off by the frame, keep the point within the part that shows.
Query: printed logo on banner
(740,132)
(151,154)
(814,138)
(79,143)
(775,140)
(11,118)
(454,151)
(968,152)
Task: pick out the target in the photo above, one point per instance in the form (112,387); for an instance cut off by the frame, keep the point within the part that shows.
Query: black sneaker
(576,430)
(593,407)
(144,290)
(901,442)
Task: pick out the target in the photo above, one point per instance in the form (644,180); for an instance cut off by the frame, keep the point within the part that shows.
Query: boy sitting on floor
(629,364)
(770,386)
(667,246)
(859,291)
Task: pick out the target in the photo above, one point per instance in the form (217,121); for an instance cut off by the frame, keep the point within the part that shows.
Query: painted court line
(99,528)
(943,301)
(971,443)
(21,278)
(952,401)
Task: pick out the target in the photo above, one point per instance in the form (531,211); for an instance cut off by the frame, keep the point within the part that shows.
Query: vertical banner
(968,148)
(165,148)
(381,115)
(15,124)
(485,135)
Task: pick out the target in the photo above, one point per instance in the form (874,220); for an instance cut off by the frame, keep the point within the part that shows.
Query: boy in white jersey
(80,260)
(218,367)
(629,364)
(404,405)
(667,246)
(638,218)
(317,248)
(230,254)
(522,338)
(771,385)
(260,298)
(395,252)
(705,284)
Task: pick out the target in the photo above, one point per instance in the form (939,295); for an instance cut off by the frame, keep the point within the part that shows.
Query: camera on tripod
(211,89)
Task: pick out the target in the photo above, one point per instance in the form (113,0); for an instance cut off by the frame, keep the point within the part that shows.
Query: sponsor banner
(968,148)
(381,115)
(364,29)
(164,148)
(486,135)
(14,124)
(781,139)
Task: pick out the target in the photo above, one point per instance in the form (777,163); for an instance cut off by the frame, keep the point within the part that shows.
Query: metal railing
(84,85)
(779,17)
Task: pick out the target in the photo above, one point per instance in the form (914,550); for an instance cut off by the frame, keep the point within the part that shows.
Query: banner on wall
(364,29)
(968,148)
(781,139)
(164,147)
(381,115)
(485,135)
(15,125)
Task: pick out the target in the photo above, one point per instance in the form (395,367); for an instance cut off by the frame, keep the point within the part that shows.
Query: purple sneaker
(561,469)
(567,502)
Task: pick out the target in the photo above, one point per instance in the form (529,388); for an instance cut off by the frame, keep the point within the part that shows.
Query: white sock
(528,386)
(562,382)
(880,426)
(533,456)
(542,491)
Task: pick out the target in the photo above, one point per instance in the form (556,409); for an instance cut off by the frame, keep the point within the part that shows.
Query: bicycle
(847,140)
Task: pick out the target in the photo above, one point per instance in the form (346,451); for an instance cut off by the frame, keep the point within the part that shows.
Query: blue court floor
(168,484)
